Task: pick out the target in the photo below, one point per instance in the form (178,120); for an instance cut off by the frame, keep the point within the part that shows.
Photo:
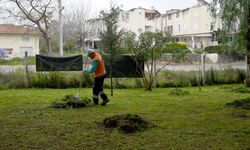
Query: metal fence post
(203,56)
(26,68)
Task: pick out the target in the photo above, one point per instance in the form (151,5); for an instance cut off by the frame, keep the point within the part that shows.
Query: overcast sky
(160,5)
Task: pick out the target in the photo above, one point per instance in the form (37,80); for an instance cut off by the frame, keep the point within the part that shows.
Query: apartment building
(94,27)
(137,20)
(192,25)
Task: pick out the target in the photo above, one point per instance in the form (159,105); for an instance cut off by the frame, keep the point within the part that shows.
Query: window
(170,29)
(98,31)
(125,17)
(28,49)
(177,15)
(212,26)
(179,26)
(169,17)
(25,38)
(165,29)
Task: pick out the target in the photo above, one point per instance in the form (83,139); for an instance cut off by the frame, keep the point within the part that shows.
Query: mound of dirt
(71,101)
(240,104)
(126,123)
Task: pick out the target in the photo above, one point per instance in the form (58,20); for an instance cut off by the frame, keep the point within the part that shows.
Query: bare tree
(36,12)
(74,22)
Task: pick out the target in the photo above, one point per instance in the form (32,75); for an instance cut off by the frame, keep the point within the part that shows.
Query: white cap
(89,51)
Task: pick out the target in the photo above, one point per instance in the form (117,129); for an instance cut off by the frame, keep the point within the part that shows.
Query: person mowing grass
(98,68)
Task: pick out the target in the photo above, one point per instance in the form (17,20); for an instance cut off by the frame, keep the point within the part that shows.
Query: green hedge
(177,49)
(220,49)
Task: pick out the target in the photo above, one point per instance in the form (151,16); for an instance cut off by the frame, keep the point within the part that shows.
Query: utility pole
(60,27)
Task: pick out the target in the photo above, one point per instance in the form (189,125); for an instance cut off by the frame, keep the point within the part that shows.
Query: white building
(136,20)
(15,40)
(192,25)
(94,27)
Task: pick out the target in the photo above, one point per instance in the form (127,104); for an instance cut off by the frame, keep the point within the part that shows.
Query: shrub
(177,49)
(220,49)
(226,51)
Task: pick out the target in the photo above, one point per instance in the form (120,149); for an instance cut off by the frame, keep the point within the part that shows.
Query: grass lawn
(195,121)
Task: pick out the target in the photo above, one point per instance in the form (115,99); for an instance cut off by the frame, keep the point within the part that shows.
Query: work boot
(103,95)
(104,102)
(95,101)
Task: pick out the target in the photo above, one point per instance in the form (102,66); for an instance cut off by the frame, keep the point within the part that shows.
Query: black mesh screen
(126,66)
(49,63)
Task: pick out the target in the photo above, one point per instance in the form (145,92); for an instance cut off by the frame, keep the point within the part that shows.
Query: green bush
(226,52)
(220,49)
(177,49)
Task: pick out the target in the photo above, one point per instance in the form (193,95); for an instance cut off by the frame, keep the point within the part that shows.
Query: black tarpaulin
(51,63)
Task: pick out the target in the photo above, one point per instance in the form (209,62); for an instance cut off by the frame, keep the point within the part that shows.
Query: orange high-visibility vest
(100,70)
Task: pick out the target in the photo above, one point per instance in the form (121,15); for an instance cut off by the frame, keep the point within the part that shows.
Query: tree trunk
(47,39)
(248,46)
(45,36)
(248,50)
(111,79)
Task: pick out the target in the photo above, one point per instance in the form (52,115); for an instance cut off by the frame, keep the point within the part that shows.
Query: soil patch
(126,123)
(71,101)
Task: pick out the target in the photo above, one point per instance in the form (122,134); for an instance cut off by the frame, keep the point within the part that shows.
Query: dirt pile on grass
(126,123)
(240,104)
(71,101)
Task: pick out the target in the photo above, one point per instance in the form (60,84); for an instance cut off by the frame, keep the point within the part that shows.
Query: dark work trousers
(98,90)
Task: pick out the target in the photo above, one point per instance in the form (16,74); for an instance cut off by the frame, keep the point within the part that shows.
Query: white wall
(135,23)
(18,42)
